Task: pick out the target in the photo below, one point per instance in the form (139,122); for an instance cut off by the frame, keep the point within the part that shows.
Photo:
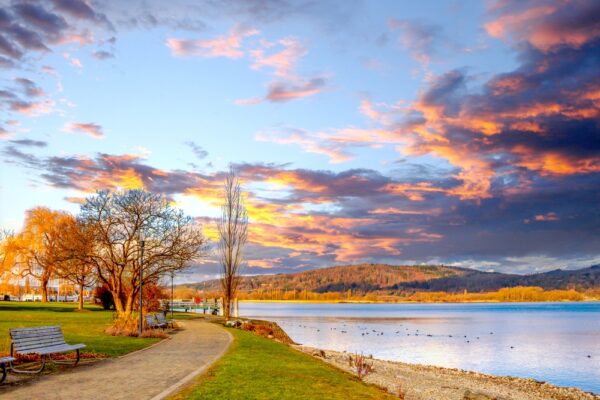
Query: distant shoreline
(413,302)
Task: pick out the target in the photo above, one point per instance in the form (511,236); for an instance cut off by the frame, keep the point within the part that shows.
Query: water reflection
(555,342)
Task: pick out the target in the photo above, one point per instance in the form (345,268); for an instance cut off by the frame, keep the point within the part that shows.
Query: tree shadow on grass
(19,307)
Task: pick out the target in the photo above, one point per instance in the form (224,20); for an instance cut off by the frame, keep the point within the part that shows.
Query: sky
(456,132)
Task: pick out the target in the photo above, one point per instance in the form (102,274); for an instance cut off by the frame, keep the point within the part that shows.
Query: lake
(553,342)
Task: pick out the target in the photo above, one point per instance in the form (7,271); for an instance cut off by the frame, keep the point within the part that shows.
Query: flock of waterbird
(409,332)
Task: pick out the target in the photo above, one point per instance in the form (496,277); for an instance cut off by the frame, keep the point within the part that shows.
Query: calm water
(544,341)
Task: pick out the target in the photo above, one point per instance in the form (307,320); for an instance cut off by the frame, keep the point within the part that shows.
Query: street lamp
(141,240)
(172,277)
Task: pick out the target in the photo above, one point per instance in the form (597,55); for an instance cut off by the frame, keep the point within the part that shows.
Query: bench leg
(24,371)
(77,361)
(68,362)
(3,372)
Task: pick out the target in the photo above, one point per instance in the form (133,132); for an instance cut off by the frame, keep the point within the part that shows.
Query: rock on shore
(424,382)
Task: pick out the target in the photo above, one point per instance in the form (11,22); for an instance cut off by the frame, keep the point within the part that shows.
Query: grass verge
(85,326)
(259,368)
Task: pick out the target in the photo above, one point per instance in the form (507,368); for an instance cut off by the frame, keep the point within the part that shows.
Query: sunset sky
(456,132)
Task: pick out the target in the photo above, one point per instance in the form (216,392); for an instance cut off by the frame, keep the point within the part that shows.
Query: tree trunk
(80,307)
(118,304)
(226,307)
(44,287)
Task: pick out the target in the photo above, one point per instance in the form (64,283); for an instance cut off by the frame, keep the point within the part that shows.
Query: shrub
(123,328)
(154,333)
(360,364)
(104,296)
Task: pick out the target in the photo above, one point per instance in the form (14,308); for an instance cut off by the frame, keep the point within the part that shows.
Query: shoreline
(415,302)
(425,382)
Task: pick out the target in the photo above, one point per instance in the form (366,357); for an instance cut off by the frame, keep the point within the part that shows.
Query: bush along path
(151,373)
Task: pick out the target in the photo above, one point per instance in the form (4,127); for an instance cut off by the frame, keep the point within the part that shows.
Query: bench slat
(36,345)
(34,329)
(56,349)
(32,338)
(40,339)
(34,332)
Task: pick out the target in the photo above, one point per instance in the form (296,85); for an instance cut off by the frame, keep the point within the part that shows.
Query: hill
(395,279)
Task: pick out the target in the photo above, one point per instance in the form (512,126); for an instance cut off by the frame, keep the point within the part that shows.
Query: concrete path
(152,373)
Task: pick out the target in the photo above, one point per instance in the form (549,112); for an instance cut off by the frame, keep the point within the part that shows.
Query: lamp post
(141,240)
(172,277)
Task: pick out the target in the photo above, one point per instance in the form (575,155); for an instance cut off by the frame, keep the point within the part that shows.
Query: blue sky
(460,132)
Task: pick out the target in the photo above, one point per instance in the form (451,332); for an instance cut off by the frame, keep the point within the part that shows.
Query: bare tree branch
(233,234)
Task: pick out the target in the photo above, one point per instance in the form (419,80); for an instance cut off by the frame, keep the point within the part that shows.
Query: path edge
(178,385)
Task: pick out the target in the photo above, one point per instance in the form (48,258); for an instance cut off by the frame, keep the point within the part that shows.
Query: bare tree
(233,234)
(171,238)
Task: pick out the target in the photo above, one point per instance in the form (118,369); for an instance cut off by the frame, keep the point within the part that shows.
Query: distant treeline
(514,294)
(404,280)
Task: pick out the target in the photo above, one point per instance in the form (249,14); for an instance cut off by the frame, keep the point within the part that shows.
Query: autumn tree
(7,240)
(35,250)
(75,245)
(233,234)
(117,220)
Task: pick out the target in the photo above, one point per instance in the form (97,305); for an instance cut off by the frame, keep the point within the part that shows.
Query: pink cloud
(93,130)
(229,45)
(546,26)
(283,61)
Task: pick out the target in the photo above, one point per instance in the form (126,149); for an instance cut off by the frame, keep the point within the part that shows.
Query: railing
(204,306)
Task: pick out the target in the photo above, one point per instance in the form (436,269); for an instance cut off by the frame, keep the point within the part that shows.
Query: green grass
(85,326)
(258,368)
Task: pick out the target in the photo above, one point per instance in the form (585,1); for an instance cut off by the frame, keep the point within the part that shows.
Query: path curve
(152,373)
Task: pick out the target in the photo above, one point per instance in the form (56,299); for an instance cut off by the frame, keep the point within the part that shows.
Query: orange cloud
(396,211)
(551,216)
(554,163)
(547,26)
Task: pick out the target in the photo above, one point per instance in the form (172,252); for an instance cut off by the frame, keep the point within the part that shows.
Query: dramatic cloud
(480,167)
(547,24)
(93,130)
(540,120)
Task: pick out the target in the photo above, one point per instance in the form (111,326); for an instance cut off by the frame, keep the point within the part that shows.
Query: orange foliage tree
(35,250)
(76,243)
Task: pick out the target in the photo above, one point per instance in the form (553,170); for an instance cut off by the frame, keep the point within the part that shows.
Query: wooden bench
(153,323)
(44,340)
(4,363)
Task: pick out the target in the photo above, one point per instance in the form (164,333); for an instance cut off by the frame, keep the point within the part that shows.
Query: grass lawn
(85,326)
(258,368)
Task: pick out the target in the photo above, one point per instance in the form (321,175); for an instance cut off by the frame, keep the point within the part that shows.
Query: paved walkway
(152,373)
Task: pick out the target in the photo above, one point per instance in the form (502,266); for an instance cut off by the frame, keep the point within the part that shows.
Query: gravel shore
(424,382)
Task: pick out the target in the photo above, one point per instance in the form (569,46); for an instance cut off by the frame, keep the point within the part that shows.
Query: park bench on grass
(43,340)
(153,323)
(162,319)
(5,362)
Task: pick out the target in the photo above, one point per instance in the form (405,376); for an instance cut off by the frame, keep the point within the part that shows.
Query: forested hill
(365,278)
